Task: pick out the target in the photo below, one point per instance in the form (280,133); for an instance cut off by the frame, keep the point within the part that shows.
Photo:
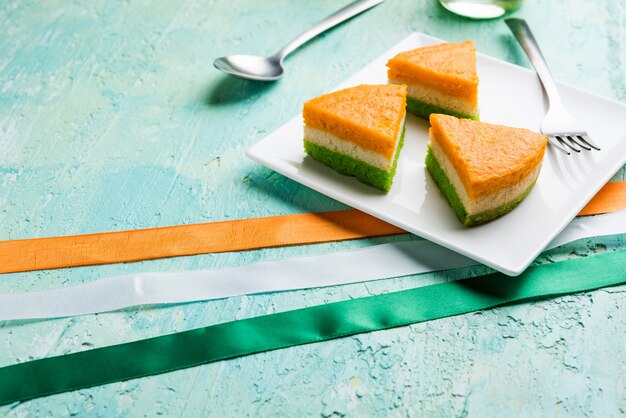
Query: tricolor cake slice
(483,170)
(358,131)
(441,78)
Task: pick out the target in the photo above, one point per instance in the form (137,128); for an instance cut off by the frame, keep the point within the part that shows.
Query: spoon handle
(342,15)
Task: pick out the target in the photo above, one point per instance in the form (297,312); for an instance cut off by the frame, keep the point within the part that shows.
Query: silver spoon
(270,68)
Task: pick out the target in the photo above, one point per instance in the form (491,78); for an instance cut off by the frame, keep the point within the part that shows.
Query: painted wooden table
(112,118)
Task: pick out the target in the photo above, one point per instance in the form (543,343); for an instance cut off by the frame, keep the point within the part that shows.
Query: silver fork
(561,128)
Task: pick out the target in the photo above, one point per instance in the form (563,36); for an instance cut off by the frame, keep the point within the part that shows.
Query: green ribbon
(229,340)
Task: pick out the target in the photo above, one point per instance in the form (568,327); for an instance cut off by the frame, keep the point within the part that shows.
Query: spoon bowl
(251,67)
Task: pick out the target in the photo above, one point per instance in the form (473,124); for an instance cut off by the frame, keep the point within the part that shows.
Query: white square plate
(508,95)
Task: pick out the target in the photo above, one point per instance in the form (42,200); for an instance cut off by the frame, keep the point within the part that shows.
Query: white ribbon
(373,263)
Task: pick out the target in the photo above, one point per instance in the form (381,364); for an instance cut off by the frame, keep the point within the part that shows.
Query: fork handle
(525,37)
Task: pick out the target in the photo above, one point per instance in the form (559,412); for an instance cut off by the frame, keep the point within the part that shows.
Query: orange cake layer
(369,116)
(488,158)
(448,67)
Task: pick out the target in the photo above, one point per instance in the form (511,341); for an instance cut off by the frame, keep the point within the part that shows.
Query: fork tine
(554,141)
(564,142)
(582,144)
(585,138)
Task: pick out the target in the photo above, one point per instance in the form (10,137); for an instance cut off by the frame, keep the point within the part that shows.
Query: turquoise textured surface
(112,117)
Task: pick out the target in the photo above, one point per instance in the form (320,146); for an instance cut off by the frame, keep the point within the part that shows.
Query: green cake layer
(449,192)
(423,109)
(350,166)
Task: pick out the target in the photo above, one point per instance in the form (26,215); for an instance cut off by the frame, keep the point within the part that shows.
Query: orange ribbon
(224,236)
(610,198)
(171,241)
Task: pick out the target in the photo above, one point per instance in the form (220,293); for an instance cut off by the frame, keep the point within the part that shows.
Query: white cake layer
(349,148)
(492,201)
(433,96)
